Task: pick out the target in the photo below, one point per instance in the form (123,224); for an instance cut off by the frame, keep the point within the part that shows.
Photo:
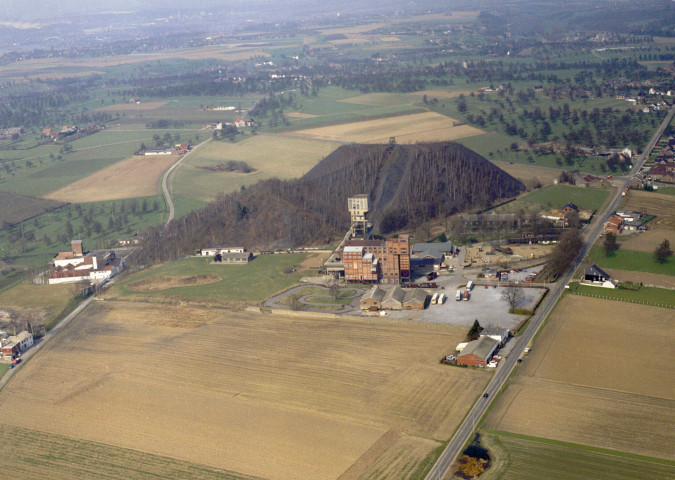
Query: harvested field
(321,392)
(440,93)
(71,459)
(649,240)
(61,75)
(132,107)
(300,115)
(528,174)
(591,365)
(662,206)
(418,127)
(154,284)
(645,278)
(271,156)
(15,208)
(138,176)
(383,99)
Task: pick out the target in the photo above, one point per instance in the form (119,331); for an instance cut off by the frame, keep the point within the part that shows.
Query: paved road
(165,181)
(507,365)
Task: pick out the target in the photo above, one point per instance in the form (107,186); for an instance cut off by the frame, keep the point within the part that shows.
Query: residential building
(16,344)
(496,333)
(78,265)
(614,225)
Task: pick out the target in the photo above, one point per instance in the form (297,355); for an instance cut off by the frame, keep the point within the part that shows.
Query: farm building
(78,265)
(213,251)
(478,352)
(614,225)
(496,333)
(597,277)
(372,299)
(432,254)
(393,299)
(16,344)
(396,298)
(233,257)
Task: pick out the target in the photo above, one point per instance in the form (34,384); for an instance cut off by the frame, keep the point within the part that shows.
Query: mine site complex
(420,240)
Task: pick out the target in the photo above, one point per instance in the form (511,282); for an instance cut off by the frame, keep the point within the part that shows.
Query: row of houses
(12,133)
(664,164)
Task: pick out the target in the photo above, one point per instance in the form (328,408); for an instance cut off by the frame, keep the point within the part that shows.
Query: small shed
(393,299)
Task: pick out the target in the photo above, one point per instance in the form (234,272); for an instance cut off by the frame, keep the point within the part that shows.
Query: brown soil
(115,182)
(132,107)
(649,279)
(594,377)
(155,284)
(661,205)
(649,240)
(212,386)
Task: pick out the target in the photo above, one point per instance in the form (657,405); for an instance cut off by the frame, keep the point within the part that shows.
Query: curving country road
(165,181)
(463,433)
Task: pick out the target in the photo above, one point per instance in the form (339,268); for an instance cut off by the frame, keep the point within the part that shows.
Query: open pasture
(46,302)
(313,395)
(520,457)
(596,370)
(413,128)
(660,205)
(138,176)
(271,156)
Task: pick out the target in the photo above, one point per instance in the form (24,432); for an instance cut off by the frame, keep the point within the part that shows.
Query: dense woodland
(408,185)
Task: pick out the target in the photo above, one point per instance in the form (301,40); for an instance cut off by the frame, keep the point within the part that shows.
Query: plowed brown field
(276,397)
(661,205)
(594,377)
(138,176)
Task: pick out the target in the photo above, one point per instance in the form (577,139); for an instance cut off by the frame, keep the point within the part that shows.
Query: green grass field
(631,260)
(520,457)
(557,196)
(44,455)
(645,295)
(49,300)
(667,190)
(252,282)
(271,156)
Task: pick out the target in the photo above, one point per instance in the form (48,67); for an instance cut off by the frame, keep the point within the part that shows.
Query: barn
(478,353)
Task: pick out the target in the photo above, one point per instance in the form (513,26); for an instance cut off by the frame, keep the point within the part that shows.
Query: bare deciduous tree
(513,295)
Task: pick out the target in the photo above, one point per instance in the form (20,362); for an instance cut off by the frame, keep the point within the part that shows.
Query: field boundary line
(581,446)
(629,300)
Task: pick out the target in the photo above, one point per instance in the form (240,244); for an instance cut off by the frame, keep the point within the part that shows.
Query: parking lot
(485,304)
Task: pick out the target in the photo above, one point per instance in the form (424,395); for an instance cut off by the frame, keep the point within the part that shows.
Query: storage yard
(319,393)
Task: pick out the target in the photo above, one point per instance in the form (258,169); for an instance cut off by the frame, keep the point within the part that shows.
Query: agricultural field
(590,366)
(623,259)
(521,457)
(661,297)
(199,279)
(45,302)
(115,182)
(660,205)
(530,175)
(271,156)
(17,208)
(418,127)
(647,241)
(555,197)
(325,395)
